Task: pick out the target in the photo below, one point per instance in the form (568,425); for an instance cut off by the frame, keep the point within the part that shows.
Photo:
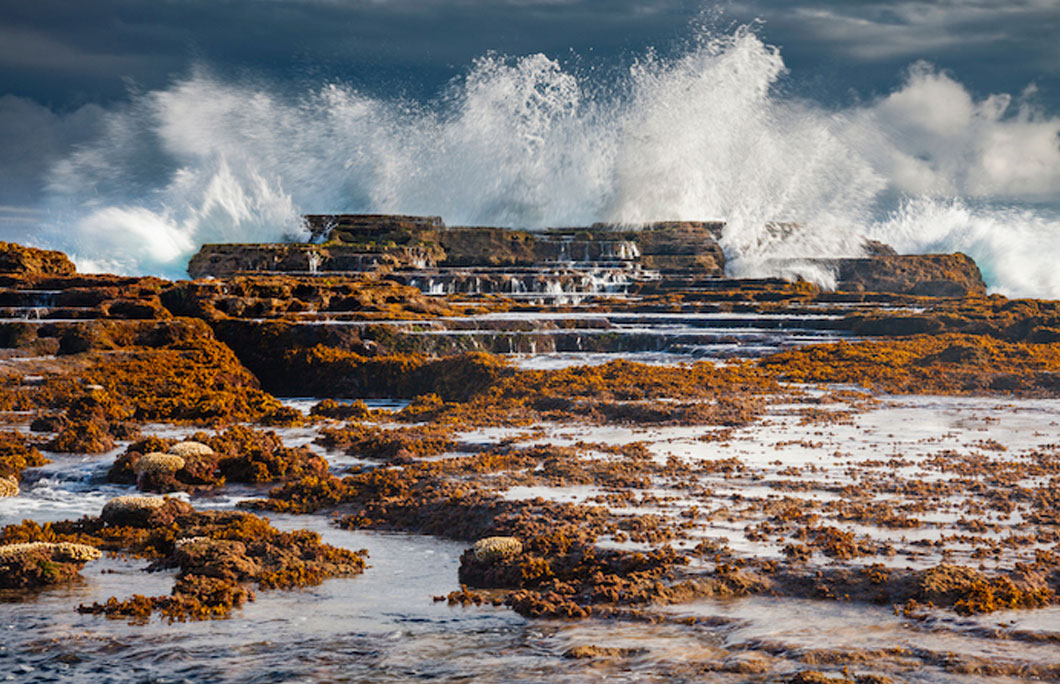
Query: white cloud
(932,137)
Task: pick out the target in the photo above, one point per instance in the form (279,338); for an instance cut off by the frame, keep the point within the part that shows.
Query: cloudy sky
(62,62)
(65,54)
(132,107)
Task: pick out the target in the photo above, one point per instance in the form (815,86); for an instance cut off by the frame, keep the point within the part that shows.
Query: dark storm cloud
(33,137)
(68,53)
(991,46)
(60,51)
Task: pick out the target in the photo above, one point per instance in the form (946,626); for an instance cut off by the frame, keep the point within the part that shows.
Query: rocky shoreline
(94,363)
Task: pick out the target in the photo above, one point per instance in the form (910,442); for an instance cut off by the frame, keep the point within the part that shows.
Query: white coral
(157,463)
(129,504)
(63,552)
(190,448)
(8,487)
(191,541)
(494,548)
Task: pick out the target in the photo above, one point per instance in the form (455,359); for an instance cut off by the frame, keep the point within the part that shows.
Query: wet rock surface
(366,242)
(930,275)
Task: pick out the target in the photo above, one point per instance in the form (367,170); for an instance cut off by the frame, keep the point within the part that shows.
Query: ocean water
(715,132)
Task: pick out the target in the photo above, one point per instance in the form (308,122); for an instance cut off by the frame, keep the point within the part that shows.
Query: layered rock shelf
(561,262)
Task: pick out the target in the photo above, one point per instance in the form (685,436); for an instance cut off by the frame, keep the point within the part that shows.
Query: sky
(64,54)
(956,97)
(62,62)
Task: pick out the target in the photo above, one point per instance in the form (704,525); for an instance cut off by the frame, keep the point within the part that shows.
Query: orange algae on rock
(219,555)
(38,563)
(322,370)
(329,408)
(968,591)
(399,444)
(173,371)
(16,455)
(618,391)
(199,381)
(238,454)
(458,497)
(267,295)
(15,258)
(936,364)
(1012,320)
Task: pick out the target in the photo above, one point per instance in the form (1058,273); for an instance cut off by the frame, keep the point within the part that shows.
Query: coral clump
(494,548)
(190,448)
(239,454)
(8,487)
(142,511)
(32,564)
(157,462)
(123,471)
(59,551)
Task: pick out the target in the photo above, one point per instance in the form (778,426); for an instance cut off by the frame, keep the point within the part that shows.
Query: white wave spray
(521,142)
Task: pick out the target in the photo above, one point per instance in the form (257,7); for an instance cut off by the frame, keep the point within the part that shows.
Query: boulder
(17,259)
(928,275)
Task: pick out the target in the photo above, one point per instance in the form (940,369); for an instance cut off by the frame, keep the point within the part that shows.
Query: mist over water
(522,142)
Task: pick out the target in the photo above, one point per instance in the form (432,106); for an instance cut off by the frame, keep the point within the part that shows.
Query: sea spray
(705,136)
(523,142)
(1016,247)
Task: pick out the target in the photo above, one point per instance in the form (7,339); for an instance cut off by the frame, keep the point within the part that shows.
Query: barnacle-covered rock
(143,511)
(33,564)
(158,463)
(191,448)
(64,552)
(157,472)
(494,548)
